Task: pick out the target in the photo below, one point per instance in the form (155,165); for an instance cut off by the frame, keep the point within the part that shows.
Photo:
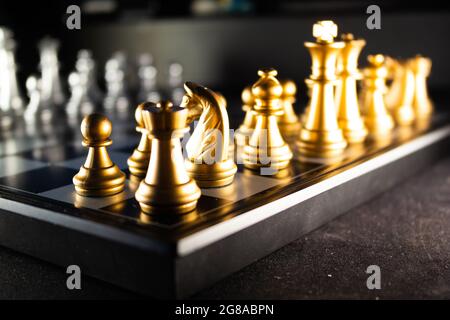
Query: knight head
(190,98)
(197,98)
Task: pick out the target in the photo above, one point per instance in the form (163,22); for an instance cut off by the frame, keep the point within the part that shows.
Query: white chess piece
(116,98)
(11,101)
(51,86)
(147,74)
(85,93)
(176,82)
(79,103)
(86,65)
(34,105)
(17,100)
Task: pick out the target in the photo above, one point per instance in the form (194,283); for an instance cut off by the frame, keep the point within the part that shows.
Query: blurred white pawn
(175,82)
(147,74)
(80,102)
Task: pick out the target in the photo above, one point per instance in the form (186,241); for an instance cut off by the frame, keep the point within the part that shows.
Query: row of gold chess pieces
(332,120)
(167,183)
(336,116)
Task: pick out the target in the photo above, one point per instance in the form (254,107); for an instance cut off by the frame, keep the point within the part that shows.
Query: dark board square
(40,180)
(130,208)
(127,149)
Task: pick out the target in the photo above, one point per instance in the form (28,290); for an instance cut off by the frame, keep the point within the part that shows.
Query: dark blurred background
(221,44)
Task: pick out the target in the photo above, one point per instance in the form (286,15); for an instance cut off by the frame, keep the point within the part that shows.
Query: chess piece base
(173,199)
(99,182)
(255,157)
(354,132)
(289,131)
(380,127)
(242,135)
(321,144)
(404,115)
(214,175)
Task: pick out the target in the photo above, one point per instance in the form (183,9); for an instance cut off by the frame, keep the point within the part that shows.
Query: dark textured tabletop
(405,231)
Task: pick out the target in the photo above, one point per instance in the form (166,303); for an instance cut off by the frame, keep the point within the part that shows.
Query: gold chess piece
(208,160)
(289,123)
(377,118)
(266,147)
(349,117)
(99,176)
(320,135)
(231,146)
(243,133)
(402,108)
(395,76)
(304,115)
(167,188)
(422,104)
(138,161)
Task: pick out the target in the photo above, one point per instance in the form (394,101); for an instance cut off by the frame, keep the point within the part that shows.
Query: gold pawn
(320,135)
(402,109)
(289,123)
(99,176)
(349,117)
(377,118)
(395,77)
(266,147)
(138,161)
(167,188)
(243,133)
(422,104)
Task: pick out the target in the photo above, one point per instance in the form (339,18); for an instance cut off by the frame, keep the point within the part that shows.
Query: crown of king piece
(325,31)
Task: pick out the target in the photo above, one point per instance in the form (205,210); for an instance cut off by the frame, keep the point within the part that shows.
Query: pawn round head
(267,87)
(32,83)
(421,65)
(247,96)
(138,115)
(289,88)
(96,128)
(375,60)
(347,37)
(74,79)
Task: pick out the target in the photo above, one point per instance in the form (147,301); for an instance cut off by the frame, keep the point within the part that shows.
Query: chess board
(233,226)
